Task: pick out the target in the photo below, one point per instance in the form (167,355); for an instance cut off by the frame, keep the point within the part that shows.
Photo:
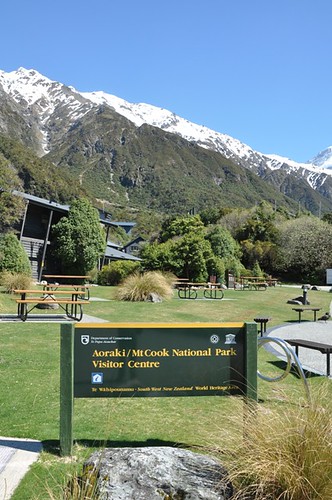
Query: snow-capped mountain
(55,109)
(48,102)
(231,148)
(323,159)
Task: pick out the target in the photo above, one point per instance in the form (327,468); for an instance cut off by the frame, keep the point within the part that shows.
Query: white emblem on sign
(97,378)
(85,339)
(214,339)
(230,339)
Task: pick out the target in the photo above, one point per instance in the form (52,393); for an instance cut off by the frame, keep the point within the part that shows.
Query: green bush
(13,257)
(14,281)
(139,287)
(116,271)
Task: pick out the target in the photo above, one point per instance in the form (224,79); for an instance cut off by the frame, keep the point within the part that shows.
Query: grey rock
(299,300)
(155,473)
(48,305)
(154,297)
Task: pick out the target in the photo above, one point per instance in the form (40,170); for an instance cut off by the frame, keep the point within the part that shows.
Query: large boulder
(299,301)
(155,473)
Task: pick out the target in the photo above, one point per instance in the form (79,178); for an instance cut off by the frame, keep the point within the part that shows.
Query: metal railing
(291,357)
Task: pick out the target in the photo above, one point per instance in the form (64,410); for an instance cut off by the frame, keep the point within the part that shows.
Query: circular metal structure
(290,356)
(280,343)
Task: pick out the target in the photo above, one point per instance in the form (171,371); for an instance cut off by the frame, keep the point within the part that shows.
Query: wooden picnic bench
(48,287)
(213,291)
(258,285)
(253,283)
(69,301)
(300,310)
(317,346)
(187,290)
(66,277)
(210,290)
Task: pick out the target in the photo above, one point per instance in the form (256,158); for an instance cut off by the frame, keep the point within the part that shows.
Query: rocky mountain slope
(141,154)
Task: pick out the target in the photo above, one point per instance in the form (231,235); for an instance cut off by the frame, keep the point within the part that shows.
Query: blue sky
(258,70)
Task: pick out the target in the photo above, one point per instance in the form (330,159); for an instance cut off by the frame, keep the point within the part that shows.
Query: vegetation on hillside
(35,175)
(148,167)
(258,241)
(10,207)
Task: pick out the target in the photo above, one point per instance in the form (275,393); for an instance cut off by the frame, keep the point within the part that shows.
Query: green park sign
(154,360)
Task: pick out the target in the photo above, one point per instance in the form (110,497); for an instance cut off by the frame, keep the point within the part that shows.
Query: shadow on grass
(282,365)
(53,446)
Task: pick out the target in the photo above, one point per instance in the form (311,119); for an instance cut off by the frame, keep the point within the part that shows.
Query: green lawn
(29,366)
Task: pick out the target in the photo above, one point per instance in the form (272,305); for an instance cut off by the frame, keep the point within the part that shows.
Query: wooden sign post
(154,360)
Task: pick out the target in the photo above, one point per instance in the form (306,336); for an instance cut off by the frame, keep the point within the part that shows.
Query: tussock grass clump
(286,455)
(139,287)
(11,281)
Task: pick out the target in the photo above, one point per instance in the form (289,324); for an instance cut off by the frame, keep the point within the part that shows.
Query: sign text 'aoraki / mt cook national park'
(158,360)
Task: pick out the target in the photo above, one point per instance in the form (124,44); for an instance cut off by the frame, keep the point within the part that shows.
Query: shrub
(286,454)
(12,281)
(139,287)
(13,257)
(93,275)
(79,240)
(116,271)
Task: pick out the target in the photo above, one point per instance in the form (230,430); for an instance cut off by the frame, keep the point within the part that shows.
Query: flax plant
(11,281)
(286,455)
(139,287)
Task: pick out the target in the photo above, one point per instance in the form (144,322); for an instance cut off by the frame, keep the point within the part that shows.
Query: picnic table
(70,301)
(318,346)
(253,283)
(300,310)
(53,287)
(66,277)
(188,290)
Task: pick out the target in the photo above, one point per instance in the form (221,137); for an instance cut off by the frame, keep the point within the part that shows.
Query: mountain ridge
(55,111)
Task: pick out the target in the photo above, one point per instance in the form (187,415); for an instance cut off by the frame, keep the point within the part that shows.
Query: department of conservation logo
(214,339)
(85,339)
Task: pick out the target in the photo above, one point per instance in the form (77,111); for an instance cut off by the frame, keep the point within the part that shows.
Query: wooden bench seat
(317,346)
(58,287)
(50,292)
(257,285)
(50,301)
(70,301)
(300,310)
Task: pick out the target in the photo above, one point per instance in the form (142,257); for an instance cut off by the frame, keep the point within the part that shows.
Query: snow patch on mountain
(41,96)
(48,99)
(203,136)
(323,159)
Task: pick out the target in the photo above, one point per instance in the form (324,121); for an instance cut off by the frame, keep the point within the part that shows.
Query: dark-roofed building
(116,253)
(134,246)
(36,232)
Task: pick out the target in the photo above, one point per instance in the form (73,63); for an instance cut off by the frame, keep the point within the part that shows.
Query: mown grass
(29,368)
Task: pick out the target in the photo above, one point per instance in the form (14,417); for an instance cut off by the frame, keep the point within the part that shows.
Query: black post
(305,289)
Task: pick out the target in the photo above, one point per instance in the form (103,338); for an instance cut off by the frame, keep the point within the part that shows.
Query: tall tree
(79,238)
(11,207)
(305,248)
(13,257)
(179,226)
